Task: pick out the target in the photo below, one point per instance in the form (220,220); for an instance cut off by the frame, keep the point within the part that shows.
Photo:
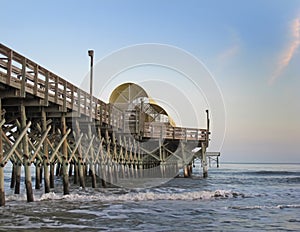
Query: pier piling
(2,191)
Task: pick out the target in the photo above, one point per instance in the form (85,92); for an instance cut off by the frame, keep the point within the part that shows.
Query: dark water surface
(235,197)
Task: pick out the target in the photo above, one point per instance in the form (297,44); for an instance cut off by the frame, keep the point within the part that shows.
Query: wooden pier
(59,128)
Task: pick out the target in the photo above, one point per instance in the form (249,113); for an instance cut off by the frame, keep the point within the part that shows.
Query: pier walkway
(61,129)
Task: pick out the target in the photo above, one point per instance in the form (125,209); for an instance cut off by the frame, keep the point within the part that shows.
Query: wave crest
(144,196)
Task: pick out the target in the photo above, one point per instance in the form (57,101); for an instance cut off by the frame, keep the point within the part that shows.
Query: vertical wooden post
(46,93)
(185,171)
(18,177)
(92,166)
(70,169)
(185,165)
(208,127)
(2,192)
(9,67)
(23,81)
(26,160)
(36,73)
(190,169)
(204,160)
(46,162)
(65,157)
(76,174)
(115,158)
(13,175)
(52,164)
(38,174)
(80,161)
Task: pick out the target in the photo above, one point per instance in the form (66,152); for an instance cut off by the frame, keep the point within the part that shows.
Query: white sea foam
(250,207)
(142,196)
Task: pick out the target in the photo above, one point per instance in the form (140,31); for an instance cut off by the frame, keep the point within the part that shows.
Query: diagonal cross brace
(150,153)
(89,147)
(75,148)
(8,143)
(13,148)
(40,144)
(58,146)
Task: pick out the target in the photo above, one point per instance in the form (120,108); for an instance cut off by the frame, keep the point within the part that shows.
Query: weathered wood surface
(49,122)
(27,77)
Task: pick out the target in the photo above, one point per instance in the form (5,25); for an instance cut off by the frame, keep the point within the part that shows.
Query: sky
(250,48)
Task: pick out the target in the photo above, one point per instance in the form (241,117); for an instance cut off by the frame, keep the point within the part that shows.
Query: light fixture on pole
(91,54)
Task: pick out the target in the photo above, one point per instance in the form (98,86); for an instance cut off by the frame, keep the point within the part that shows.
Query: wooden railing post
(79,100)
(23,76)
(36,73)
(46,92)
(65,97)
(56,89)
(85,103)
(9,66)
(72,97)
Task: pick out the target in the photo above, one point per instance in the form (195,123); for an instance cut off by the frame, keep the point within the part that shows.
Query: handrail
(27,76)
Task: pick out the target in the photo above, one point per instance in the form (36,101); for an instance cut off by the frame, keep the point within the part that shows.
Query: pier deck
(48,122)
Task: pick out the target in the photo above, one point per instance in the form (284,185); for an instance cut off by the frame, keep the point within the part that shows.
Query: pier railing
(26,76)
(165,130)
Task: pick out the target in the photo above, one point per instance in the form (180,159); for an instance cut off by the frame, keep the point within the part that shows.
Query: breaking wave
(264,207)
(271,173)
(144,196)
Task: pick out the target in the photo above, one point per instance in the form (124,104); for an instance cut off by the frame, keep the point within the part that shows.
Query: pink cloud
(289,52)
(229,53)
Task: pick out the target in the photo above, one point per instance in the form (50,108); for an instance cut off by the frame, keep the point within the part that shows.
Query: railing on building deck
(165,130)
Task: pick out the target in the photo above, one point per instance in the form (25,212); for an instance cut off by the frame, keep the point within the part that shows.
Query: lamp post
(91,54)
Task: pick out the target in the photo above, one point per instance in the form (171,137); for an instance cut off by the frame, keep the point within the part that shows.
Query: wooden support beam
(16,144)
(2,191)
(54,154)
(10,93)
(150,153)
(40,144)
(26,159)
(65,163)
(91,157)
(18,177)
(78,142)
(9,143)
(79,157)
(46,162)
(101,159)
(27,102)
(204,159)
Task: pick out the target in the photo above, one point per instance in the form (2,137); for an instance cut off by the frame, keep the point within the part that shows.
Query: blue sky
(252,48)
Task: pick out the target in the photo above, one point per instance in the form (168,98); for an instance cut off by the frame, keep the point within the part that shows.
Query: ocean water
(235,197)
